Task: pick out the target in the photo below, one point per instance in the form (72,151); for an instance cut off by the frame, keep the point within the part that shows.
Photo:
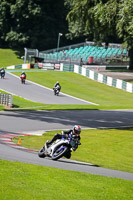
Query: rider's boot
(56,136)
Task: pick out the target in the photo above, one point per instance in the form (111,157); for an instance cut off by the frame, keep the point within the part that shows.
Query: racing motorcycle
(2,73)
(56,90)
(61,147)
(23,77)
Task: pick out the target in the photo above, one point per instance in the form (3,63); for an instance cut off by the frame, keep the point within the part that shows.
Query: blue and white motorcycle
(61,147)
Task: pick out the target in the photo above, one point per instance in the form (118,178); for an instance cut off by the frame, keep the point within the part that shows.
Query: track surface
(15,123)
(36,92)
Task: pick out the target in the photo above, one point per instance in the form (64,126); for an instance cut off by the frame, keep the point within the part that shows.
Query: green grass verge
(111,148)
(25,181)
(79,86)
(1,107)
(9,57)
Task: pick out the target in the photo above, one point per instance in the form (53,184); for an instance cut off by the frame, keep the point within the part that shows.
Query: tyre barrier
(6,99)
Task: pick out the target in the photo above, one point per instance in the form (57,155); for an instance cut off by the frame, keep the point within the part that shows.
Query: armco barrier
(6,99)
(117,83)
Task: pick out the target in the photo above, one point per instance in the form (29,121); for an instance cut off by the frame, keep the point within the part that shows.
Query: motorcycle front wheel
(59,152)
(41,153)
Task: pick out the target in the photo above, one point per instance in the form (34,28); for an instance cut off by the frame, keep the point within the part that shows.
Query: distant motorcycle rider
(2,72)
(75,133)
(57,85)
(23,77)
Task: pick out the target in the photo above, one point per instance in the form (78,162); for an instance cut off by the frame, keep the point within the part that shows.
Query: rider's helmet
(76,130)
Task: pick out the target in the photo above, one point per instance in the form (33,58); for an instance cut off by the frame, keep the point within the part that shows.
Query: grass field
(21,181)
(9,57)
(111,148)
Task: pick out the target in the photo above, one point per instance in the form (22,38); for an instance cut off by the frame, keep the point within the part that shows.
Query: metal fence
(6,99)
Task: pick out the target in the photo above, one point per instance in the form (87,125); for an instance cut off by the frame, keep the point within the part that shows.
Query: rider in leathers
(75,132)
(23,74)
(57,84)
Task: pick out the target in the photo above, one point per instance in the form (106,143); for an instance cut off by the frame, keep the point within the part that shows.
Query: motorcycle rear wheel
(57,154)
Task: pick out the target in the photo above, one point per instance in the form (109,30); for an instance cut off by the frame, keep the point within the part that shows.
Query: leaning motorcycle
(61,147)
(56,90)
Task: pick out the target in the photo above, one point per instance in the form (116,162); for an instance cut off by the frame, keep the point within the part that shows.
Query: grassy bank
(26,181)
(111,148)
(9,57)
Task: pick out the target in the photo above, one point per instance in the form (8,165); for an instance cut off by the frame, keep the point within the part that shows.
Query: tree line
(36,23)
(31,23)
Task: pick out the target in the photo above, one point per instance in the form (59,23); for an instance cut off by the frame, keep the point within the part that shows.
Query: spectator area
(84,52)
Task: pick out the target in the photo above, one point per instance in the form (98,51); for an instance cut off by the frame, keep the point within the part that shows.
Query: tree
(124,26)
(31,23)
(106,20)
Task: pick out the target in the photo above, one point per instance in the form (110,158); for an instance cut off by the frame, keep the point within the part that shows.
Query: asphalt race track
(20,122)
(36,92)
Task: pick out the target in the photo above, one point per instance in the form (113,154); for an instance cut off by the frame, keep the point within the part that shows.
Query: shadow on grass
(15,106)
(125,128)
(19,52)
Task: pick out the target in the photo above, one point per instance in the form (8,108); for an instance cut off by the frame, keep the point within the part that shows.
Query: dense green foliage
(31,23)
